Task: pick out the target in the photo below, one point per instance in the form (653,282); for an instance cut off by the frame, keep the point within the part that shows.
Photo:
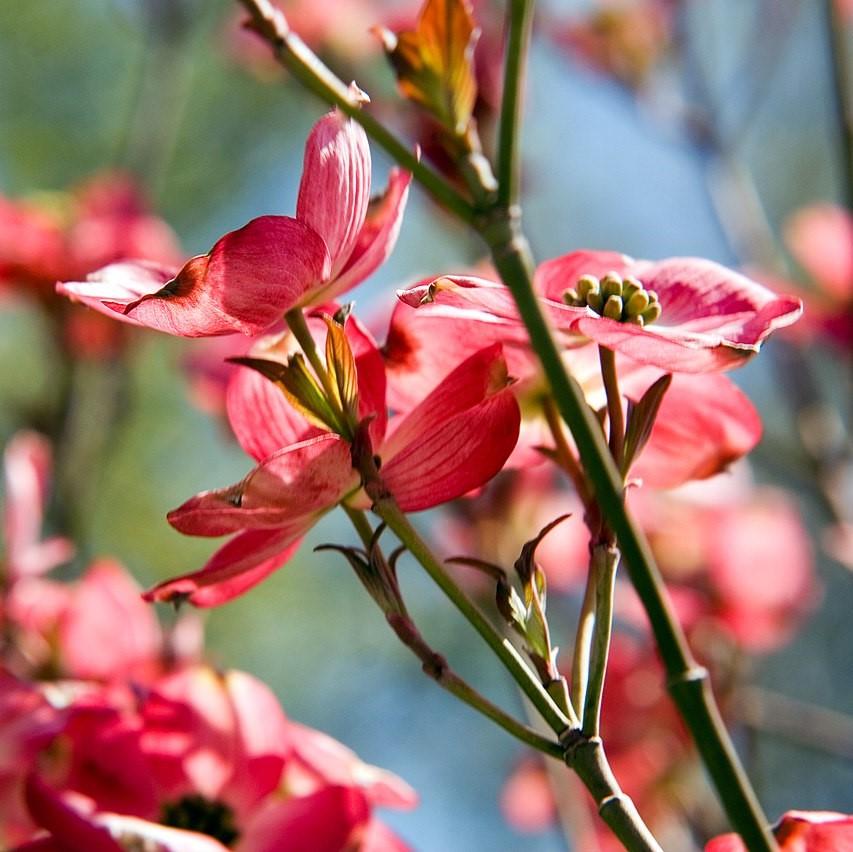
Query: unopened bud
(637,303)
(588,284)
(630,285)
(595,301)
(613,308)
(611,285)
(651,313)
(572,298)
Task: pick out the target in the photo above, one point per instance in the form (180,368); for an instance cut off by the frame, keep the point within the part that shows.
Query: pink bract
(252,276)
(200,738)
(800,831)
(27,464)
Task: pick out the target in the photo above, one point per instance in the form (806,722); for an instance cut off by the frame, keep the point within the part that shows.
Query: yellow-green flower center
(617,298)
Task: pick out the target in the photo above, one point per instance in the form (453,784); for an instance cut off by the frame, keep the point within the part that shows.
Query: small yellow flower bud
(611,285)
(637,303)
(613,308)
(595,301)
(651,313)
(572,298)
(588,284)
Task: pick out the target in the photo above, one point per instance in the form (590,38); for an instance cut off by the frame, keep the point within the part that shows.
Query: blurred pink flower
(68,235)
(800,831)
(96,628)
(625,39)
(746,570)
(252,276)
(27,468)
(212,754)
(820,237)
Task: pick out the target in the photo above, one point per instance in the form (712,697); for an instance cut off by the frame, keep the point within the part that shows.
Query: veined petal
(237,566)
(469,296)
(458,456)
(480,376)
(247,281)
(457,438)
(713,318)
(377,236)
(244,284)
(705,423)
(112,288)
(330,820)
(290,486)
(427,343)
(335,187)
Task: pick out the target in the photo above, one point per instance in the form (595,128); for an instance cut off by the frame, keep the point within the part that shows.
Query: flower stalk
(435,665)
(605,561)
(585,755)
(520,22)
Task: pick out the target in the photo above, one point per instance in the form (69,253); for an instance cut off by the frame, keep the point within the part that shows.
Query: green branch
(520,22)
(688,682)
(436,667)
(305,66)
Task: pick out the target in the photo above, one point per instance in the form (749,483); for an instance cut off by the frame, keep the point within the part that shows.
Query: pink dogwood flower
(202,759)
(800,831)
(453,441)
(253,275)
(707,318)
(703,424)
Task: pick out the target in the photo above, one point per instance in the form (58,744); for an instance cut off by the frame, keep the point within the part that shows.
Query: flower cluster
(453,398)
(116,734)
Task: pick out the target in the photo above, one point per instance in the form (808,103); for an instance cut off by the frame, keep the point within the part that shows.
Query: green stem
(688,682)
(583,754)
(589,761)
(841,95)
(399,524)
(616,419)
(583,644)
(605,560)
(565,457)
(436,667)
(520,15)
(305,66)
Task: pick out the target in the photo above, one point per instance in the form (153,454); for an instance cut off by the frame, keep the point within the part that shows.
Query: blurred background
(654,128)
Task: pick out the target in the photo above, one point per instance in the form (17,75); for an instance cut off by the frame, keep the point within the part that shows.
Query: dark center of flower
(617,298)
(196,813)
